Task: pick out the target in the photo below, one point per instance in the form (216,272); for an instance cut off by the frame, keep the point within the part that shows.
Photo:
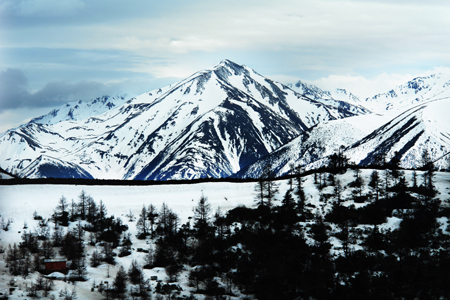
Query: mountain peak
(210,124)
(229,65)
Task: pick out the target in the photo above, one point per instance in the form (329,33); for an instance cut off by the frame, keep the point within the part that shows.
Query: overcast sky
(55,51)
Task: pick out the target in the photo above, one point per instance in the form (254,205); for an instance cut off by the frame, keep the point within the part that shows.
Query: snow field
(18,203)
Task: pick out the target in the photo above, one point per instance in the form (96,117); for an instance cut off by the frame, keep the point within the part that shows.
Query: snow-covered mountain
(415,91)
(228,120)
(310,91)
(336,98)
(420,127)
(79,110)
(423,127)
(46,167)
(211,124)
(314,144)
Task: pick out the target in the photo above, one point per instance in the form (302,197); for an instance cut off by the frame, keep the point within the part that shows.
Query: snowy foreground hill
(339,216)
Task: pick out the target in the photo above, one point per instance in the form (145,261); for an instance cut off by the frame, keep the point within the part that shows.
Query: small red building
(55,264)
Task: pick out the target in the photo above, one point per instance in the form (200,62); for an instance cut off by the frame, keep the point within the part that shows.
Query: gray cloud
(15,94)
(13,88)
(14,91)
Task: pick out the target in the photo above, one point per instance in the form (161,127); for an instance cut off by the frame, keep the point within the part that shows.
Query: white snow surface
(19,202)
(79,110)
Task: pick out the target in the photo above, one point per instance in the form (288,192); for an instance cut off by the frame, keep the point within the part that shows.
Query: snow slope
(79,110)
(422,127)
(315,143)
(410,132)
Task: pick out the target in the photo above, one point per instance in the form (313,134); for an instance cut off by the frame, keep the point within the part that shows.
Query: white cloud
(368,87)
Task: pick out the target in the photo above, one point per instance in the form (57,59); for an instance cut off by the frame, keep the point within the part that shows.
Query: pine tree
(300,193)
(259,192)
(62,214)
(220,223)
(338,189)
(73,211)
(92,209)
(142,223)
(82,204)
(135,272)
(387,176)
(47,249)
(344,236)
(288,213)
(79,265)
(375,184)
(427,162)
(271,187)
(120,283)
(102,212)
(152,214)
(288,201)
(266,188)
(358,183)
(414,179)
(202,211)
(95,259)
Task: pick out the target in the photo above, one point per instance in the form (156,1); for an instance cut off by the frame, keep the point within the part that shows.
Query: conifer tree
(102,212)
(152,214)
(259,192)
(414,179)
(375,184)
(299,192)
(62,214)
(338,191)
(135,272)
(202,211)
(266,188)
(142,223)
(120,283)
(82,204)
(73,211)
(358,183)
(92,209)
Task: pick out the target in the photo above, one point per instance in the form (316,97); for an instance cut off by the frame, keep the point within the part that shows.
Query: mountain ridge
(210,124)
(225,121)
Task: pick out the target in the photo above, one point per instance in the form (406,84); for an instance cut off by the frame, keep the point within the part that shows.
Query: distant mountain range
(227,121)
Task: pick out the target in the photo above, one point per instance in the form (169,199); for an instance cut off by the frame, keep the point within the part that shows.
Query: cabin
(55,264)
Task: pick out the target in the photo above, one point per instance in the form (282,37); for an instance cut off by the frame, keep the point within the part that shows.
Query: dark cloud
(14,91)
(13,88)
